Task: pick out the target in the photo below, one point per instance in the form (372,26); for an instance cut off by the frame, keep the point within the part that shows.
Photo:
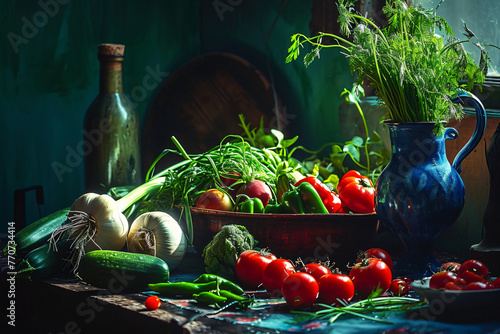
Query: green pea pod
(209,298)
(205,278)
(311,199)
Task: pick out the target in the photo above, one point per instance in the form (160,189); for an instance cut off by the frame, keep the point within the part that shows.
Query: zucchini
(119,270)
(45,262)
(37,233)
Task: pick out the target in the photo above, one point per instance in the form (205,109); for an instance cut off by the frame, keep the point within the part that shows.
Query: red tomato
(357,192)
(152,303)
(469,277)
(214,199)
(275,273)
(256,188)
(346,179)
(399,287)
(452,286)
(251,265)
(381,254)
(300,290)
(440,279)
(474,266)
(460,282)
(496,283)
(335,287)
(478,286)
(343,208)
(316,270)
(450,266)
(370,275)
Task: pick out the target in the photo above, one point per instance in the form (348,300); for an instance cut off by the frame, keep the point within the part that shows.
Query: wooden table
(68,306)
(58,306)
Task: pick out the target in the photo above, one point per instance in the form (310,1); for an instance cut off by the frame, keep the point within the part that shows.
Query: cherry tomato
(460,282)
(316,270)
(469,277)
(399,287)
(357,192)
(275,273)
(300,290)
(450,266)
(452,286)
(152,303)
(251,265)
(214,199)
(335,287)
(381,254)
(478,286)
(440,279)
(474,266)
(370,275)
(496,283)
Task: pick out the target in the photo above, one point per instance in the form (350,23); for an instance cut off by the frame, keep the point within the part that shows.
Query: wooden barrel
(200,104)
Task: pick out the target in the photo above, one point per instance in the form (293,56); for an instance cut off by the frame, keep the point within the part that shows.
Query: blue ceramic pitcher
(419,193)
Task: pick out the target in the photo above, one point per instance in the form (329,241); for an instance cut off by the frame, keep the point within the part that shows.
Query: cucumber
(36,234)
(45,262)
(118,270)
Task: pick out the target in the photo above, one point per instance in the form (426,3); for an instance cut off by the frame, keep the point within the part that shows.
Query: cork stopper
(111,50)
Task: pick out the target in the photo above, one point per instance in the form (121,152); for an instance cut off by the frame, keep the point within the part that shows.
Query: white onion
(158,234)
(95,222)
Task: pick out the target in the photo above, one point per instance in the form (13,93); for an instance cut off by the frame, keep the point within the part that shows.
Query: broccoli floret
(221,253)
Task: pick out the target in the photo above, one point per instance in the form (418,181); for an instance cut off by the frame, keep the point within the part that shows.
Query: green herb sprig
(371,309)
(413,70)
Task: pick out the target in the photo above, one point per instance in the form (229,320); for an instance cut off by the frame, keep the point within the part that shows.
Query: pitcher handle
(478,131)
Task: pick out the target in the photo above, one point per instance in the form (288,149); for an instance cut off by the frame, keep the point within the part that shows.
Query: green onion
(178,185)
(370,309)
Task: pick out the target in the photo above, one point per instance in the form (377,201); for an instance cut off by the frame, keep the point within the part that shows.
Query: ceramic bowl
(334,237)
(451,302)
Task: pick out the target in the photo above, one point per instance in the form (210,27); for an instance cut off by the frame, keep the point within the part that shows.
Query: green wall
(50,74)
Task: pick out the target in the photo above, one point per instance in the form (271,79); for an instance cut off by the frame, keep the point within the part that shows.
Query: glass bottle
(111,129)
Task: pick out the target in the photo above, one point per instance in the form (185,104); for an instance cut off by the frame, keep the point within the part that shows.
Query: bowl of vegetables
(335,236)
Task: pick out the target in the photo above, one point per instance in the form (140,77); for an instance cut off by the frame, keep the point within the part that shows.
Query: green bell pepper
(274,207)
(292,201)
(311,199)
(299,200)
(251,205)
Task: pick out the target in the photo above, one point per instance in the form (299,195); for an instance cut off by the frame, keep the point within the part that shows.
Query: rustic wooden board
(200,104)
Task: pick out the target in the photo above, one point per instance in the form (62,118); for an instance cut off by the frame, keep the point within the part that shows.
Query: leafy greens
(413,70)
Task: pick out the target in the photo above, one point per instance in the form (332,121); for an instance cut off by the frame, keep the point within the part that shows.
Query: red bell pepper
(329,198)
(356,191)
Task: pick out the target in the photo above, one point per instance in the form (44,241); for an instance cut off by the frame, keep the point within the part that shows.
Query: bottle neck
(110,77)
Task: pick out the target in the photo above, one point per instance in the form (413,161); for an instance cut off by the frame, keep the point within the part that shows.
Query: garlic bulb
(158,234)
(95,222)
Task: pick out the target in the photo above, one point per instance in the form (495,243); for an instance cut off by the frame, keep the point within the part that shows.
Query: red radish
(256,188)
